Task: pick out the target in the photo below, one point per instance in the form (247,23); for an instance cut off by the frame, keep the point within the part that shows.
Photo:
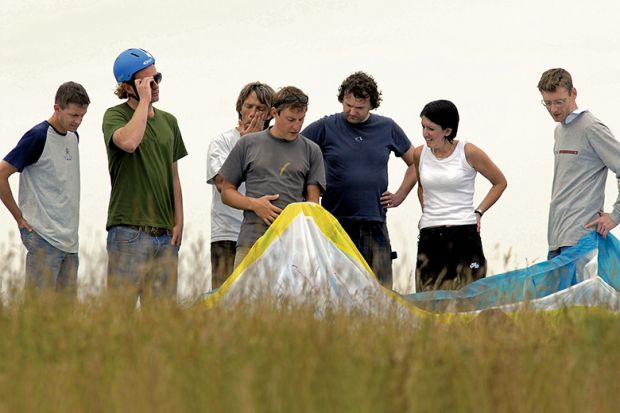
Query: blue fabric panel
(533,282)
(609,260)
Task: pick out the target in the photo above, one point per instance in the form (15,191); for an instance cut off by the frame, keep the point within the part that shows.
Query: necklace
(452,145)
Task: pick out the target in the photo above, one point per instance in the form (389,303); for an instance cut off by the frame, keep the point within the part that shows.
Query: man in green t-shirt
(145,214)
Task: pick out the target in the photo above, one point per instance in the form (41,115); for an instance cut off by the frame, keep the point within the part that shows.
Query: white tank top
(448,186)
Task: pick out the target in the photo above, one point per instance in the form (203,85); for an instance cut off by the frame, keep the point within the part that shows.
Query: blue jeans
(141,264)
(47,267)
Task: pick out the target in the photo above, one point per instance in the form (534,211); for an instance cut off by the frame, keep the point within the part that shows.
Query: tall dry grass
(101,356)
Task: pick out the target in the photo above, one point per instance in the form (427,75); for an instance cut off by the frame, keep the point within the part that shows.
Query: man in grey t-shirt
(279,166)
(584,151)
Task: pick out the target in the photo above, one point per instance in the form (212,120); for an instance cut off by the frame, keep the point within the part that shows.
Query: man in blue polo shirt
(47,215)
(356,147)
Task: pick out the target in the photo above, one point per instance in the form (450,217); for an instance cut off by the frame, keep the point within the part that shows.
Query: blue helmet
(131,61)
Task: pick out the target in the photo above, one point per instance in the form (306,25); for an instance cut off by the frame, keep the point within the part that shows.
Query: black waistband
(450,228)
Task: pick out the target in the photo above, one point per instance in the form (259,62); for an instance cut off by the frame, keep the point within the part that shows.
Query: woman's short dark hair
(445,114)
(362,86)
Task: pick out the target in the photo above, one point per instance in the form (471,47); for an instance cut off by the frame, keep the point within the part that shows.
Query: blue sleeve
(315,132)
(29,148)
(400,140)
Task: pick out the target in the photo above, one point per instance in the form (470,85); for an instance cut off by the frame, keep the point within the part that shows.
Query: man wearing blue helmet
(145,213)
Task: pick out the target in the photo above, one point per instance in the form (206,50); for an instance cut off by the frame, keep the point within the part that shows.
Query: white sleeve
(216,155)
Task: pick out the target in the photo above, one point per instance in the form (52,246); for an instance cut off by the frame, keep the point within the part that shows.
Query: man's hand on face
(143,88)
(257,124)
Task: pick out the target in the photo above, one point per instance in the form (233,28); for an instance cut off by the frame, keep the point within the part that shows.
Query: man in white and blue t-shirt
(47,214)
(356,146)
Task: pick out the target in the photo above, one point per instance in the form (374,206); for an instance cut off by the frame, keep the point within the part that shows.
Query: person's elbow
(127,146)
(125,143)
(502,185)
(218,181)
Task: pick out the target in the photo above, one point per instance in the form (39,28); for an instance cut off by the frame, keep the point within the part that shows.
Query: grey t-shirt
(584,150)
(269,165)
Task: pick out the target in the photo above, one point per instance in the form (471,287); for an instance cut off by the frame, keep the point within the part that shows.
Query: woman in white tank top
(450,253)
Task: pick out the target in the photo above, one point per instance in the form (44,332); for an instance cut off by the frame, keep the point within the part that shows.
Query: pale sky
(484,55)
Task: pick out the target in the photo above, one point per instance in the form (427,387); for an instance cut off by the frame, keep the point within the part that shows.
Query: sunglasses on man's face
(156,79)
(303,99)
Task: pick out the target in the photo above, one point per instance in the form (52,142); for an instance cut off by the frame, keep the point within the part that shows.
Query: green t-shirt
(142,182)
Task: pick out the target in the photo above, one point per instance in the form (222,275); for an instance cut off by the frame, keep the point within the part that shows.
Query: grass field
(99,356)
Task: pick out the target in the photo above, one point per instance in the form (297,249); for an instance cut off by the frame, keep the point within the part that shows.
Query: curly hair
(362,86)
(554,78)
(121,92)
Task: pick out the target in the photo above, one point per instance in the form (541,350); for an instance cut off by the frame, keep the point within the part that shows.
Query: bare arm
(389,200)
(313,193)
(219,181)
(129,137)
(6,170)
(416,161)
(260,206)
(177,230)
(481,162)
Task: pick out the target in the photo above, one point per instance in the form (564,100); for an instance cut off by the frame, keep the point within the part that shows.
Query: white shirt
(225,221)
(448,186)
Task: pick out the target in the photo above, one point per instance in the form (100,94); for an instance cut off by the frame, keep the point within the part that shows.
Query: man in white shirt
(253,107)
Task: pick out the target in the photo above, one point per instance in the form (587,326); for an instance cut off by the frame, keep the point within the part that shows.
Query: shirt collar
(571,116)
